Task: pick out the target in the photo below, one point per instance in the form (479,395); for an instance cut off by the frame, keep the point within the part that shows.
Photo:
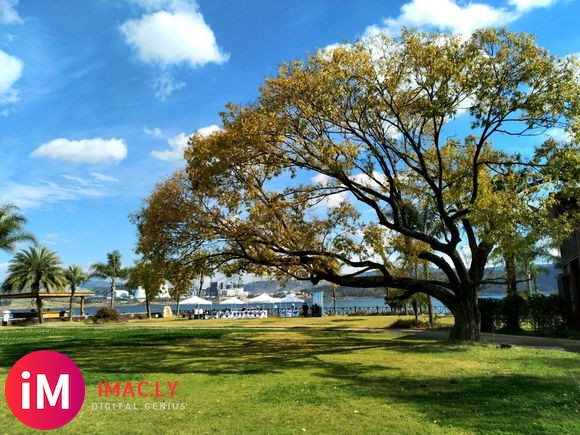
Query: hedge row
(548,315)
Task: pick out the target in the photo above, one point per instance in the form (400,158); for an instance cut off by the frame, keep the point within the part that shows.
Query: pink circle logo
(45,390)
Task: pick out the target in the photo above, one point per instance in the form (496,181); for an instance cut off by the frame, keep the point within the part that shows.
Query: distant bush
(491,314)
(408,323)
(514,310)
(549,314)
(107,314)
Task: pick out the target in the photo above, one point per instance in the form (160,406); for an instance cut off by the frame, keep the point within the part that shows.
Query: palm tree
(75,276)
(112,269)
(12,228)
(35,268)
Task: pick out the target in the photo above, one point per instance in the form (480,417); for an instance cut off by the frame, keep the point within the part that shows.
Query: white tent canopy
(291,298)
(264,298)
(195,300)
(232,301)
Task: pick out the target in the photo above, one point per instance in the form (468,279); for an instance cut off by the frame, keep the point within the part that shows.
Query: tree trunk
(467,319)
(177,308)
(70,308)
(39,308)
(426,276)
(148,308)
(430,309)
(529,283)
(334,299)
(113,287)
(512,309)
(200,288)
(415,310)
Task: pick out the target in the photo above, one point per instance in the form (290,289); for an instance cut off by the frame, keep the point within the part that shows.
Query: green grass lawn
(326,322)
(307,381)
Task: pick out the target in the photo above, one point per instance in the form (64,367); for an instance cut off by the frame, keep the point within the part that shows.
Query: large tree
(149,276)
(113,270)
(315,178)
(35,269)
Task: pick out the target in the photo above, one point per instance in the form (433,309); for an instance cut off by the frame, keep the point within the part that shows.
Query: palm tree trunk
(70,309)
(113,287)
(39,307)
(70,305)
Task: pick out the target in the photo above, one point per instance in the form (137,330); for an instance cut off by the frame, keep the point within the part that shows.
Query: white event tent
(264,298)
(232,301)
(195,300)
(291,298)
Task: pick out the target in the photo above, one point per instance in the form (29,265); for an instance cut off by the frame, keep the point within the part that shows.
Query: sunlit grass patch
(323,381)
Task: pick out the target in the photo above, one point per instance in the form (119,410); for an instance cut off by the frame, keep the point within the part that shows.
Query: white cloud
(37,195)
(375,182)
(209,130)
(526,5)
(335,200)
(461,18)
(558,134)
(320,179)
(104,178)
(155,132)
(97,179)
(53,239)
(8,14)
(96,150)
(165,85)
(10,72)
(177,144)
(172,32)
(169,38)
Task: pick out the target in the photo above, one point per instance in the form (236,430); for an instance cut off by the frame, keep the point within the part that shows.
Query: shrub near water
(548,314)
(408,323)
(107,314)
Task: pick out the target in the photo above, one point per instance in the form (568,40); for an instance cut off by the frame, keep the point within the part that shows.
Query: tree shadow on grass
(510,403)
(490,402)
(214,352)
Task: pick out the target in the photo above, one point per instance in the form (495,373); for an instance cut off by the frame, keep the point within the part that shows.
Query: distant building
(164,290)
(139,294)
(212,291)
(121,294)
(217,289)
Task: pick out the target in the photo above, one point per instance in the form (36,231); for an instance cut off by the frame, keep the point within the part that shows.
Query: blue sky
(97,97)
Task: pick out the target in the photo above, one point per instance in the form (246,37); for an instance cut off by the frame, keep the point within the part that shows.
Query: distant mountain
(102,284)
(546,283)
